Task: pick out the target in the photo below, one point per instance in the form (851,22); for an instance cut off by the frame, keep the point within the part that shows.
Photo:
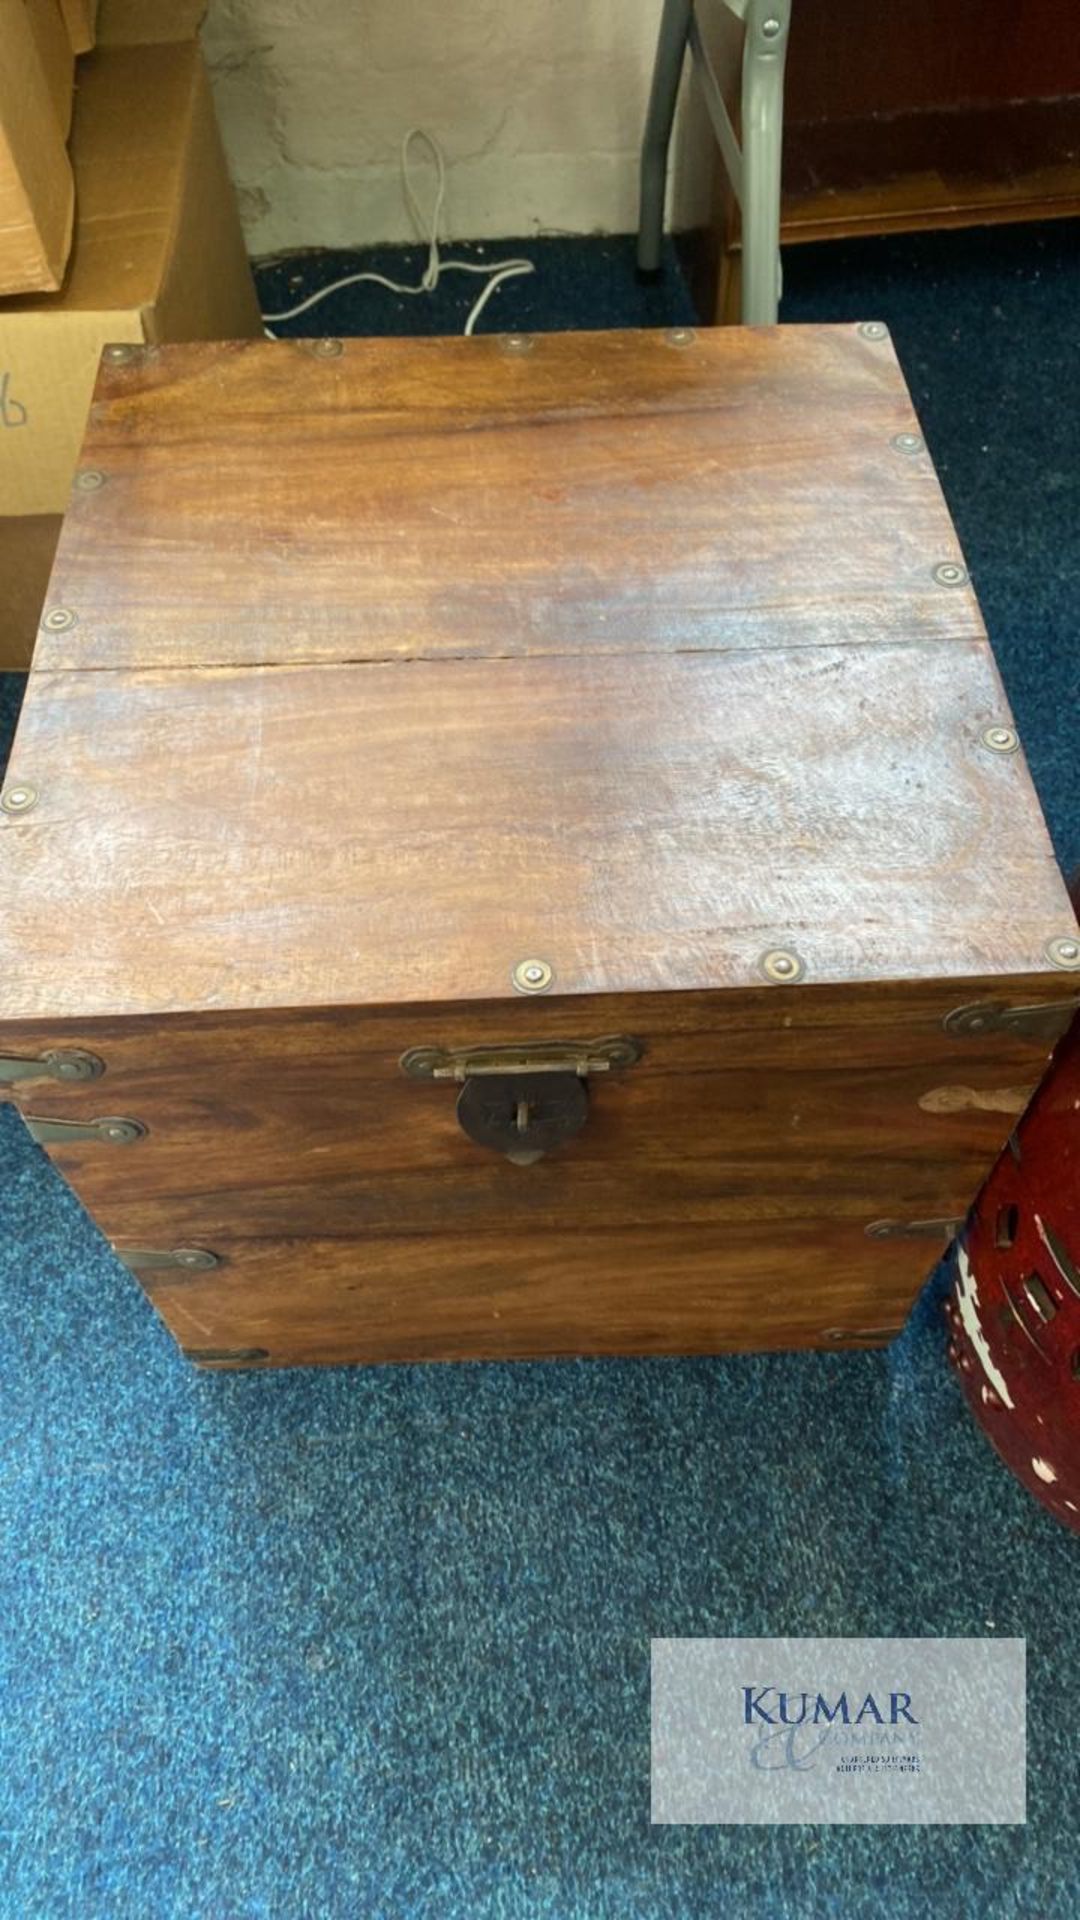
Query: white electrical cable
(496,270)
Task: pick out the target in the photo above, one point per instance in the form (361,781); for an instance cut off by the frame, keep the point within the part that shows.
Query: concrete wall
(537,104)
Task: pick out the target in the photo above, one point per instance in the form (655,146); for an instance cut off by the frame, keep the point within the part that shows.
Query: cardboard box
(79,20)
(56,56)
(145,23)
(158,255)
(36,187)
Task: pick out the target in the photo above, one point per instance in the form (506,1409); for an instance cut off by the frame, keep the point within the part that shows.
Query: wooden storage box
(444,753)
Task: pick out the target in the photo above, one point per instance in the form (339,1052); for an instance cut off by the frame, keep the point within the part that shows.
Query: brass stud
(782,965)
(873,330)
(1001,739)
(517,342)
(908,442)
(121,1132)
(949,573)
(89,480)
(1064,951)
(532,976)
(20,798)
(74,1064)
(680,336)
(120,355)
(59,619)
(328,349)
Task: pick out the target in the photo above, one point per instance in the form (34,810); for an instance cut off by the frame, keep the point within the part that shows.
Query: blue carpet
(375,1643)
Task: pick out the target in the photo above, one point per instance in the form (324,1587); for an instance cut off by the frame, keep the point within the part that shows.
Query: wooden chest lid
(373,668)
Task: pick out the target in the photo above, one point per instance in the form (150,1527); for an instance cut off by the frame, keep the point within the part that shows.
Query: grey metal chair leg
(670,53)
(752,168)
(767,23)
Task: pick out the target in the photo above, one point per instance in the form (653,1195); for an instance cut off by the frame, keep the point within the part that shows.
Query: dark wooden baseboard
(902,173)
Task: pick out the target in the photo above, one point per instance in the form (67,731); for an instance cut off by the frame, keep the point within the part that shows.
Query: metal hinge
(914,1229)
(565,1056)
(113,1132)
(1045,1021)
(69,1063)
(191,1259)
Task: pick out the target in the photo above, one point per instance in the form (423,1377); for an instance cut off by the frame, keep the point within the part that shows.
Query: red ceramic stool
(1014,1311)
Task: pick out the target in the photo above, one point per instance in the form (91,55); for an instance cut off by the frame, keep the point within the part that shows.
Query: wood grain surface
(307,1125)
(719,1195)
(939,55)
(521,1295)
(424,498)
(390,835)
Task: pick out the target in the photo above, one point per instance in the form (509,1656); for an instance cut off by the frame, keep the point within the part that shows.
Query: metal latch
(556,1056)
(1045,1021)
(914,1229)
(69,1063)
(190,1259)
(113,1132)
(522,1100)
